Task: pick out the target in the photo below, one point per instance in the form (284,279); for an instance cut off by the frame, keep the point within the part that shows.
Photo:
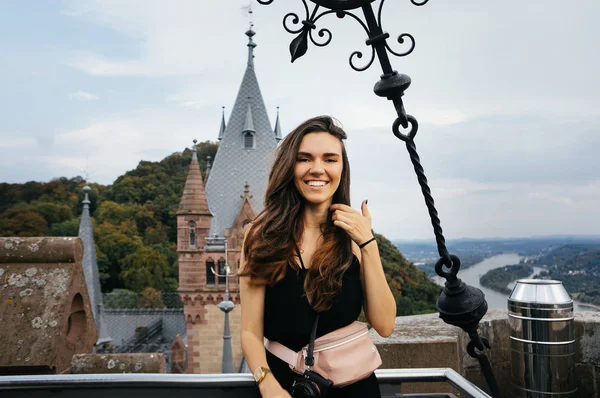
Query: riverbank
(587,305)
(498,279)
(472,275)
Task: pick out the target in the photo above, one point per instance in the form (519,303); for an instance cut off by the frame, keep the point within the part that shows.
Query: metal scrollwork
(293,24)
(356,54)
(322,32)
(359,54)
(401,41)
(295,21)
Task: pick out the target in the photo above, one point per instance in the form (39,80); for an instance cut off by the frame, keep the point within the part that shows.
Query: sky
(506,95)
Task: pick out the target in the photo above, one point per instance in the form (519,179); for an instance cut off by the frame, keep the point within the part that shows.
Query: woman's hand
(357,225)
(270,388)
(278,394)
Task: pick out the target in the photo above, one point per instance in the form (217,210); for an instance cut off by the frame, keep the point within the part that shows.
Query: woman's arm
(379,305)
(252,336)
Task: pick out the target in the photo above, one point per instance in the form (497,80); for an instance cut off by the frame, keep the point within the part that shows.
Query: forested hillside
(578,267)
(135,228)
(133,219)
(415,293)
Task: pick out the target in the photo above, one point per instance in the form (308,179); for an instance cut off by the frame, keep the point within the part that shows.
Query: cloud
(171,40)
(508,120)
(82,96)
(113,145)
(11,141)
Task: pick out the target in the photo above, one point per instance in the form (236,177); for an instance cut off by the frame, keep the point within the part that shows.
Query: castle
(211,217)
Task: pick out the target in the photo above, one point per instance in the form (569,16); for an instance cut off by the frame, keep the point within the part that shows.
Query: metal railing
(216,385)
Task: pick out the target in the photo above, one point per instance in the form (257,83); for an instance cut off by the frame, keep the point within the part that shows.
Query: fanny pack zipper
(342,343)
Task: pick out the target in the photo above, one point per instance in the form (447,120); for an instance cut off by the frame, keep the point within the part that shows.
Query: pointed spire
(277,127)
(195,151)
(229,169)
(250,33)
(193,200)
(90,269)
(246,191)
(222,128)
(249,123)
(207,167)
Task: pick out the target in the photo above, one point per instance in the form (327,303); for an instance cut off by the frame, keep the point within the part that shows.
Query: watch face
(258,373)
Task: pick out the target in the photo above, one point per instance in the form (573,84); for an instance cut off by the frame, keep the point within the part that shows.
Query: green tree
(144,216)
(112,212)
(22,222)
(29,191)
(155,235)
(151,298)
(144,268)
(116,242)
(65,228)
(52,212)
(413,291)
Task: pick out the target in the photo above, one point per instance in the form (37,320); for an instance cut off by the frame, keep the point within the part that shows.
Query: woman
(301,255)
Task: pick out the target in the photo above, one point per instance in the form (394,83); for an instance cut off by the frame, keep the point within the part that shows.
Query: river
(495,299)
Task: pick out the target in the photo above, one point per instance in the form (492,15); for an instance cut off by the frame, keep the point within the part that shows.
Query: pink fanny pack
(343,356)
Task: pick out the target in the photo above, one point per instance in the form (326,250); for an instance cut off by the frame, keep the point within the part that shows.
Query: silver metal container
(542,340)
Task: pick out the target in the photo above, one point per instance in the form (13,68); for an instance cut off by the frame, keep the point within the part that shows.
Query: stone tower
(210,222)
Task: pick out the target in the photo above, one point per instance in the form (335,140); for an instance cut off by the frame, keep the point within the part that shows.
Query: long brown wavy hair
(271,242)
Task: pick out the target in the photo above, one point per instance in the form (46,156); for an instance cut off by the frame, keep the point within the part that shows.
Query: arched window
(222,271)
(192,226)
(248,140)
(210,277)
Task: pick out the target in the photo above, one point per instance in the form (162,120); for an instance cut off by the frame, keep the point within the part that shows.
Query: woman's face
(318,167)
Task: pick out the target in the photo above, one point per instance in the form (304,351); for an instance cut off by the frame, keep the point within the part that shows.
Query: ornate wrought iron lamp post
(459,304)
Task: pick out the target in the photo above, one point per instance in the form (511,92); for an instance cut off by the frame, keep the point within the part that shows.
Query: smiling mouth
(316,184)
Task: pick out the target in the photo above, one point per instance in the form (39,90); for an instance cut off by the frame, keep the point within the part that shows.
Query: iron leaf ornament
(299,45)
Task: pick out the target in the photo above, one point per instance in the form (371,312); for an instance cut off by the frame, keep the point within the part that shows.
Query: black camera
(311,385)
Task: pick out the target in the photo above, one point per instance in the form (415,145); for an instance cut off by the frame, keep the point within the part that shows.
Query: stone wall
(205,340)
(45,310)
(425,341)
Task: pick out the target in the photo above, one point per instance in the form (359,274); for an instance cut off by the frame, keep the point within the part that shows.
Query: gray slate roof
(123,323)
(90,270)
(234,166)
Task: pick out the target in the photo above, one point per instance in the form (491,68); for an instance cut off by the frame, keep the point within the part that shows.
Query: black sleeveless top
(288,319)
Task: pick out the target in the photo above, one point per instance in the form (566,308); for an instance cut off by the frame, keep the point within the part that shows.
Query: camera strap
(309,360)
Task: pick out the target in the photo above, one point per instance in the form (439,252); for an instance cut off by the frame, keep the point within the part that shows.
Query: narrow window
(222,272)
(192,226)
(210,277)
(248,140)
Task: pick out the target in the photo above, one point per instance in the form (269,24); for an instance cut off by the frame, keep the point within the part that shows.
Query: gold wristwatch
(260,374)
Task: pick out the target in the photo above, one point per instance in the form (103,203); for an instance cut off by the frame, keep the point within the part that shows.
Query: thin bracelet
(366,243)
